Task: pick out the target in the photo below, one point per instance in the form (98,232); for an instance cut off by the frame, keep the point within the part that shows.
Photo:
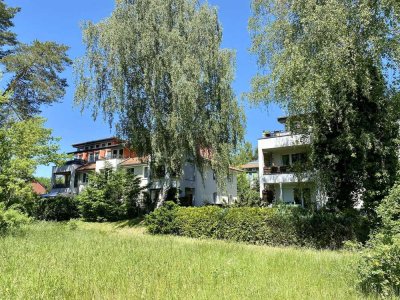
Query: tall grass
(99,261)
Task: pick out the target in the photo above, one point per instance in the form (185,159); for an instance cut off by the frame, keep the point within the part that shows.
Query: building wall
(207,191)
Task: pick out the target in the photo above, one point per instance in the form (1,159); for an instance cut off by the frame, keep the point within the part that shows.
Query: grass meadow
(114,261)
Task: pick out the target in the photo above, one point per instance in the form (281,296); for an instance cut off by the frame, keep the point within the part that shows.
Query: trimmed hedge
(281,226)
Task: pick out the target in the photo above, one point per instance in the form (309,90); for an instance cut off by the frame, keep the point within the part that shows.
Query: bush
(163,219)
(379,268)
(60,208)
(279,226)
(11,220)
(111,196)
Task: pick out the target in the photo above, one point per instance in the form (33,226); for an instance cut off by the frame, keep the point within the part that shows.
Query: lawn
(112,261)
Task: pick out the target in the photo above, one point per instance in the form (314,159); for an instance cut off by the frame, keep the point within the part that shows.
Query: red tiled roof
(38,188)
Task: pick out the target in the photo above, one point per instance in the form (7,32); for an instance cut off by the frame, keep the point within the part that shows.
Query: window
(96,156)
(267,159)
(86,148)
(115,154)
(131,171)
(146,172)
(108,154)
(215,197)
(103,145)
(91,157)
(91,147)
(62,180)
(97,146)
(121,153)
(285,160)
(299,158)
(85,178)
(109,144)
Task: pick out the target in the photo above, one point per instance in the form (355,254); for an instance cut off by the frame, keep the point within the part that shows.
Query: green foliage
(379,268)
(60,208)
(244,154)
(24,145)
(7,37)
(163,72)
(163,219)
(45,181)
(111,196)
(33,78)
(35,81)
(281,226)
(335,63)
(11,220)
(247,195)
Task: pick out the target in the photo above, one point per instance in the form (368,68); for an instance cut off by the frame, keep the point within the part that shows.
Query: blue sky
(60,21)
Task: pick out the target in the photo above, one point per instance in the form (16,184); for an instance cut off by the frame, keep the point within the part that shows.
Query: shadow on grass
(137,222)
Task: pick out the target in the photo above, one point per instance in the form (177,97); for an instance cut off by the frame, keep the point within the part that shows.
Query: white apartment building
(95,156)
(283,170)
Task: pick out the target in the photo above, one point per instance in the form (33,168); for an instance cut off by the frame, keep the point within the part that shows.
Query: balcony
(276,133)
(277,170)
(286,174)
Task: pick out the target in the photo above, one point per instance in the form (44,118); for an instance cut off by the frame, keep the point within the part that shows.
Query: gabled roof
(38,188)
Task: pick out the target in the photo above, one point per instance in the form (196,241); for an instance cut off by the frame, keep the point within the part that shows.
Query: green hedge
(60,208)
(281,226)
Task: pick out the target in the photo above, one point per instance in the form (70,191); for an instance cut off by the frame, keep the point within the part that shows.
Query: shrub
(279,226)
(60,208)
(111,196)
(379,268)
(11,220)
(163,219)
(325,229)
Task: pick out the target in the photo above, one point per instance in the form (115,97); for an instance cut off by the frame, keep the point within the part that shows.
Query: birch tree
(155,68)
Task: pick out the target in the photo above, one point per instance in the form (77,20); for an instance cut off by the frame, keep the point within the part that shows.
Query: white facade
(281,157)
(201,190)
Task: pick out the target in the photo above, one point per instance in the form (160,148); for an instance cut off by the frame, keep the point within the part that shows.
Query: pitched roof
(235,169)
(38,188)
(87,167)
(250,165)
(134,161)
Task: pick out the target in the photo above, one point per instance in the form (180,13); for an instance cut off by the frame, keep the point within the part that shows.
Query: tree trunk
(166,186)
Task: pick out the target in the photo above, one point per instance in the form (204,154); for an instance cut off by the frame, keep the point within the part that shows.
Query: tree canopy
(157,67)
(337,63)
(33,74)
